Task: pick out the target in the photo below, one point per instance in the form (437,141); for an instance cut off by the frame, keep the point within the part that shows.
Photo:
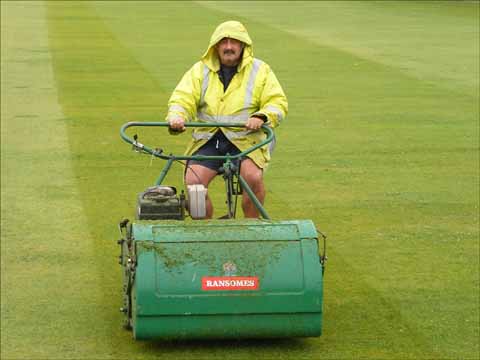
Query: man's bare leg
(253,175)
(198,174)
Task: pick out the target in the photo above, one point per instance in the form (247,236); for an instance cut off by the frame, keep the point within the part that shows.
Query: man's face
(229,51)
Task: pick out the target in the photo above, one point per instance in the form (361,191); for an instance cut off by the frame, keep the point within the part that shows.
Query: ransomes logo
(230,283)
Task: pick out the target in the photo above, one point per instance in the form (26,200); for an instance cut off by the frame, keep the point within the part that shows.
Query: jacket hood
(234,30)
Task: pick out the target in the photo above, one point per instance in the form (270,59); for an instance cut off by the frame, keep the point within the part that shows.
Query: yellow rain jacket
(254,89)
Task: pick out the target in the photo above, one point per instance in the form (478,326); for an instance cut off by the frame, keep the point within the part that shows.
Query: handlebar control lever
(136,146)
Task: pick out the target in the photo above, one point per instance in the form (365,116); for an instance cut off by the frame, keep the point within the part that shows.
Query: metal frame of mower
(234,182)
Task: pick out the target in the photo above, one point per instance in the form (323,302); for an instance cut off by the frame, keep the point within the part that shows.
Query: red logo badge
(230,283)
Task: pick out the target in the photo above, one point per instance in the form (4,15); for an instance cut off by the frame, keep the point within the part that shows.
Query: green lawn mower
(225,278)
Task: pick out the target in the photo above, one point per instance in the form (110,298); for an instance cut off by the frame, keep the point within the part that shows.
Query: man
(228,85)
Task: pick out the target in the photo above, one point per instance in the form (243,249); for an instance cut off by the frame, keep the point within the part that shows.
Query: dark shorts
(218,145)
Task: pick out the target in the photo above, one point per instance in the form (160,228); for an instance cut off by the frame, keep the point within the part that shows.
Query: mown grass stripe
(45,245)
(100,87)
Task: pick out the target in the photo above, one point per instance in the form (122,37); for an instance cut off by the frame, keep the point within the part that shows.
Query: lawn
(381,146)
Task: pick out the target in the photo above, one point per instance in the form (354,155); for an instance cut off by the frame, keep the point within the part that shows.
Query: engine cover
(160,203)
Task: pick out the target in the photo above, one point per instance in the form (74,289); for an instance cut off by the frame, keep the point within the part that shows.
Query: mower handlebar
(158,153)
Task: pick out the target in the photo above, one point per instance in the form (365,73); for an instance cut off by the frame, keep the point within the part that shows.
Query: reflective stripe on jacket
(254,89)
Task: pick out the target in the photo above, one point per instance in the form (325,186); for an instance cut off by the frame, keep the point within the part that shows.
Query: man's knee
(252,174)
(191,178)
(197,174)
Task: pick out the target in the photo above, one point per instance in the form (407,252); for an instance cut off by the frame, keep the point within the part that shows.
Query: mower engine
(161,203)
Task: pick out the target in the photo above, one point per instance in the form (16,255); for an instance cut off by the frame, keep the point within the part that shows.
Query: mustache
(228,51)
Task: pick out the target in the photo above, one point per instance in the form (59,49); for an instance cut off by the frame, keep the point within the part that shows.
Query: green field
(380,149)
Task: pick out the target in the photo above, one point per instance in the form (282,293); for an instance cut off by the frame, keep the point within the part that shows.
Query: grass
(381,143)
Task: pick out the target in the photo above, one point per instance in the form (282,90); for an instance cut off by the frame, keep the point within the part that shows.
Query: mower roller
(226,278)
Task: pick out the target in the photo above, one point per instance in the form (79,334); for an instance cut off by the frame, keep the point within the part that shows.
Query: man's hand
(177,124)
(254,123)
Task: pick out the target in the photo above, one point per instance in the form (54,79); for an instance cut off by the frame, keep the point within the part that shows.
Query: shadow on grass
(276,344)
